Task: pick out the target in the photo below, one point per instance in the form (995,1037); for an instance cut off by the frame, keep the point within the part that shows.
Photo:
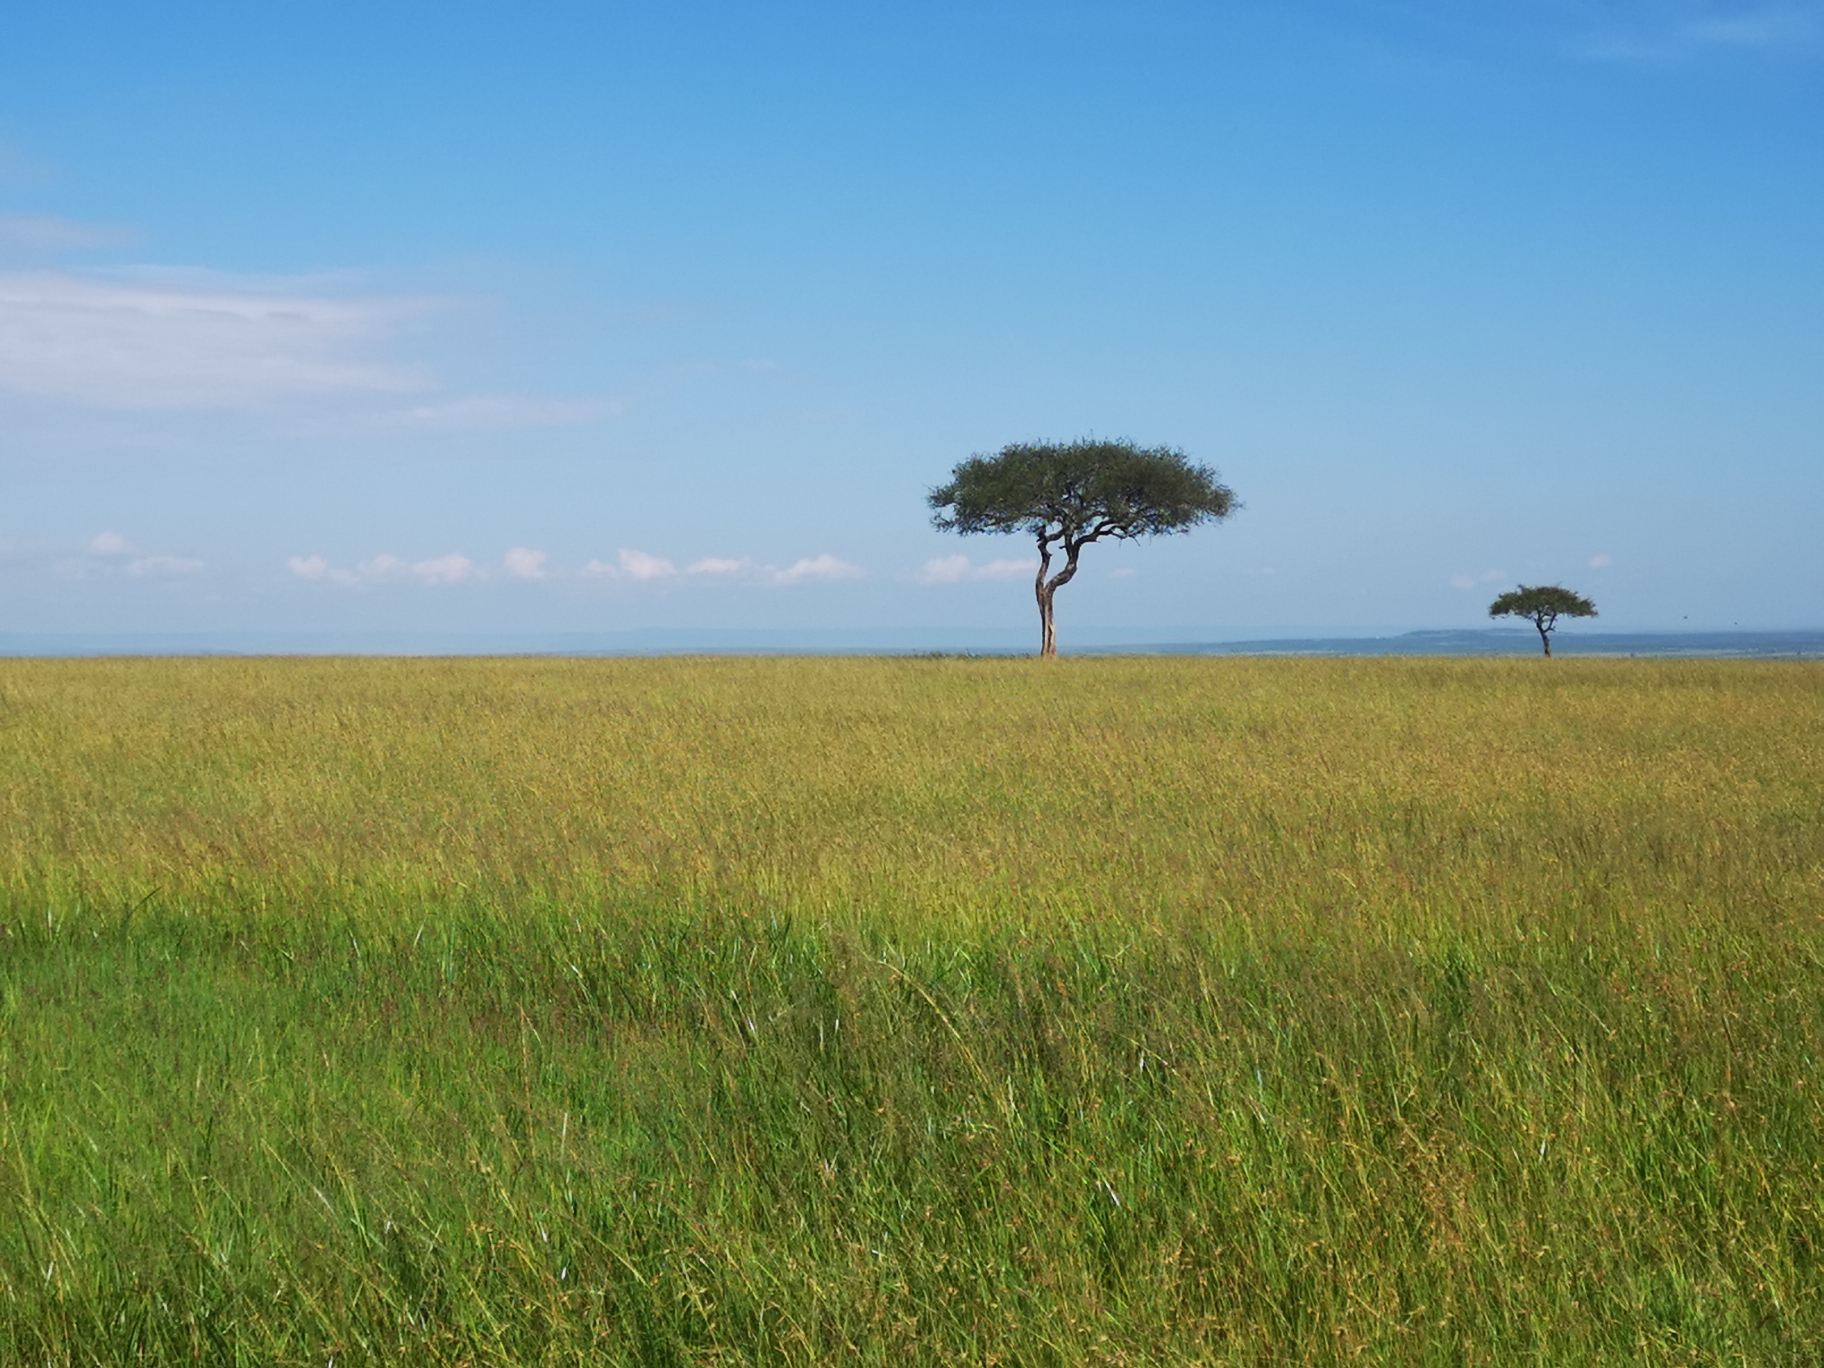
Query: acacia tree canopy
(1067,495)
(1542,605)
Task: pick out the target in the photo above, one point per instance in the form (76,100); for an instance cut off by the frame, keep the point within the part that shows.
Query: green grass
(911,1011)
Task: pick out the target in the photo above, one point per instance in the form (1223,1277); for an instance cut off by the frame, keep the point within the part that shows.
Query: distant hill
(1519,641)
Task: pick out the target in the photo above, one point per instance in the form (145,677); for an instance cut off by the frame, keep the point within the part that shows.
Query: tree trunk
(1046,589)
(1048,631)
(1545,638)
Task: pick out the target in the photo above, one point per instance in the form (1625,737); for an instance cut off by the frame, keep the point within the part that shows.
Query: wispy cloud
(108,554)
(959,568)
(161,567)
(167,340)
(1602,560)
(45,233)
(127,344)
(504,411)
(1770,28)
(1656,36)
(1487,577)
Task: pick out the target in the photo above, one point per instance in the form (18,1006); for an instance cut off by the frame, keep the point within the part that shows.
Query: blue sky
(595,318)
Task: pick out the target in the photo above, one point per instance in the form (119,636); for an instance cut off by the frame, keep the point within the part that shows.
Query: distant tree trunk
(1545,635)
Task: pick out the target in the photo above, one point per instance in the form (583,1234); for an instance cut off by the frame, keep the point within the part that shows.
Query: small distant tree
(1542,605)
(1067,495)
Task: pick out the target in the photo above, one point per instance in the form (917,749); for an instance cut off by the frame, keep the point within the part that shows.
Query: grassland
(911,1012)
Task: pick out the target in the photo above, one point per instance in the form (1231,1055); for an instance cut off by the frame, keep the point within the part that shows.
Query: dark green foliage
(1542,605)
(1070,494)
(1080,492)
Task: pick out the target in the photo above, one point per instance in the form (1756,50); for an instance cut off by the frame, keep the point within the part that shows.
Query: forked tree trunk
(1545,636)
(1045,590)
(1048,625)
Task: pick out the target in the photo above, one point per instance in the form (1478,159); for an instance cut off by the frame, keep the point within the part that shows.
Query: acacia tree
(1067,495)
(1542,605)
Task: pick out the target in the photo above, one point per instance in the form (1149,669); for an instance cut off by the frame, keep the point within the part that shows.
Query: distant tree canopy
(1067,495)
(1542,605)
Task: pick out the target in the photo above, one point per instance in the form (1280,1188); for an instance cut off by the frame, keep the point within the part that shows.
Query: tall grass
(1118,1011)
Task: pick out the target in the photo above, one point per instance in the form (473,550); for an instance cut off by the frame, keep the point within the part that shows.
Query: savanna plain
(729,1011)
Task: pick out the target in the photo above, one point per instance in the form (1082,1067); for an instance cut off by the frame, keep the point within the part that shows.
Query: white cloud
(104,555)
(110,552)
(316,568)
(956,569)
(814,568)
(641,566)
(384,566)
(1008,569)
(525,564)
(633,565)
(945,570)
(1123,572)
(454,568)
(161,566)
(176,342)
(1602,560)
(645,567)
(450,569)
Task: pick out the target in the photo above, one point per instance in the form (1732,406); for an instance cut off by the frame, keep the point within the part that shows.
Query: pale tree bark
(1046,589)
(1048,630)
